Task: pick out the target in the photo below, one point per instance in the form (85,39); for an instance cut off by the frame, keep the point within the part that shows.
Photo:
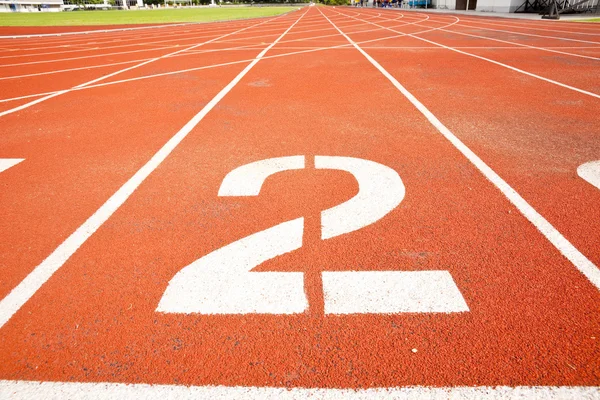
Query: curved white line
(380,190)
(248,179)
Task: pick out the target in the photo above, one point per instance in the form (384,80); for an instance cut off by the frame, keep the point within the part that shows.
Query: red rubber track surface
(533,316)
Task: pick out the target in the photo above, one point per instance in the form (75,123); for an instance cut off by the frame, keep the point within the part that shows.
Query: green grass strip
(127,17)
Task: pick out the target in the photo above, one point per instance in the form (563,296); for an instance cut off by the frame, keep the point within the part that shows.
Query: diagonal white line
(253,46)
(581,262)
(508,42)
(41,273)
(491,61)
(37,101)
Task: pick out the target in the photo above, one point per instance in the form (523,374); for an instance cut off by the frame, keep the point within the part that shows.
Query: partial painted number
(6,163)
(222,282)
(590,172)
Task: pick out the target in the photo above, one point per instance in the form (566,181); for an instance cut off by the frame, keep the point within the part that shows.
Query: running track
(456,160)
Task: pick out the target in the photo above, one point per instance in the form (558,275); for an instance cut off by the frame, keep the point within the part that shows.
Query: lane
(531,315)
(573,71)
(166,31)
(121,71)
(75,30)
(540,157)
(79,148)
(24,83)
(570,29)
(19,87)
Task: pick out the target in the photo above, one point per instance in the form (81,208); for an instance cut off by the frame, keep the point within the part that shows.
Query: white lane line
(532,35)
(496,63)
(40,35)
(100,45)
(480,21)
(519,44)
(254,46)
(41,273)
(6,163)
(590,172)
(175,45)
(86,57)
(78,50)
(224,64)
(37,101)
(530,28)
(118,37)
(508,42)
(178,43)
(391,292)
(504,41)
(580,261)
(534,25)
(58,71)
(27,390)
(234,22)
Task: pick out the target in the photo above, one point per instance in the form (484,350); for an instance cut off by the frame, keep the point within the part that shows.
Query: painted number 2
(222,282)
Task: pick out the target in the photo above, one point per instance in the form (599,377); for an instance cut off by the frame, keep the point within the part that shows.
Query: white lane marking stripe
(138,40)
(509,42)
(520,44)
(37,101)
(27,390)
(196,37)
(347,46)
(226,64)
(39,35)
(86,57)
(464,22)
(41,273)
(496,62)
(581,262)
(549,49)
(160,44)
(590,172)
(391,292)
(57,71)
(6,163)
(538,23)
(526,34)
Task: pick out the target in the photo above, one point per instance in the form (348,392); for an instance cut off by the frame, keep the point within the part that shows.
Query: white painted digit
(222,282)
(380,190)
(248,179)
(6,163)
(391,292)
(590,172)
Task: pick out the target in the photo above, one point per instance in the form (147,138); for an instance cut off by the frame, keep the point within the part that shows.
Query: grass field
(122,17)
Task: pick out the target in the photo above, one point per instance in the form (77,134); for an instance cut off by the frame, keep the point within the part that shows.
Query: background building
(30,5)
